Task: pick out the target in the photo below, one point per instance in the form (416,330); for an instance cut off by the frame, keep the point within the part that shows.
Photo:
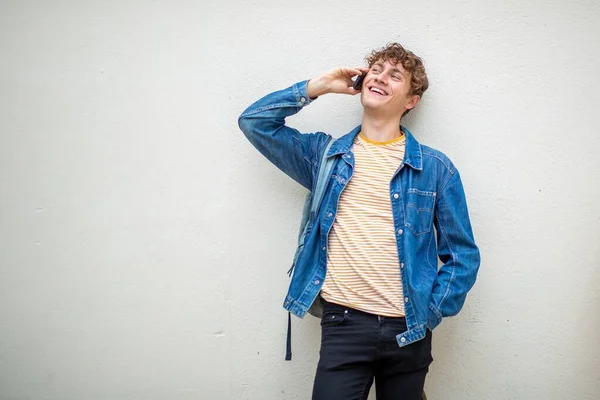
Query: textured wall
(145,242)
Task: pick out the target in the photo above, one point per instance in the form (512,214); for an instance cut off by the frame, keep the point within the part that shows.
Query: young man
(369,265)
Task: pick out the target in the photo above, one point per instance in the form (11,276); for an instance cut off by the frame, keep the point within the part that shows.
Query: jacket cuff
(434,317)
(301,93)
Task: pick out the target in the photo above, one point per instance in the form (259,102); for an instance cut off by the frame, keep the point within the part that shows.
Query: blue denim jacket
(425,192)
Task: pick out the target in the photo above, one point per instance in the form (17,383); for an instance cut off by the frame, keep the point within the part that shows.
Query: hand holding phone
(359,81)
(337,80)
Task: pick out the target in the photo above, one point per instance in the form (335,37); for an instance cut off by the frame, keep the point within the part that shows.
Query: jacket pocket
(419,210)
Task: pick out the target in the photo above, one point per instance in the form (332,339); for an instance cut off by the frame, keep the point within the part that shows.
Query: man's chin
(372,106)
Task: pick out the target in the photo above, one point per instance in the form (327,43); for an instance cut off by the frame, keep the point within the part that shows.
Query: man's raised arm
(263,123)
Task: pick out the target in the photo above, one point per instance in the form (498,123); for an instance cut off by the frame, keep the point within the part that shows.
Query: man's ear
(413,101)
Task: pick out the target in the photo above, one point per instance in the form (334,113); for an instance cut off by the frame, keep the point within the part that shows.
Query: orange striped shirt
(363,271)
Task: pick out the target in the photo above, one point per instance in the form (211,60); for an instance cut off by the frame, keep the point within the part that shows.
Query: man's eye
(397,77)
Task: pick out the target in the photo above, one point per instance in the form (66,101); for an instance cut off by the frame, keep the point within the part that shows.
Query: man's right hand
(338,80)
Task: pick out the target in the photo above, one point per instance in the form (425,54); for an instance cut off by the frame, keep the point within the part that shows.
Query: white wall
(145,242)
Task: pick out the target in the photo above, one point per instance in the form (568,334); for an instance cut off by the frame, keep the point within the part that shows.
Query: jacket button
(401,265)
(317,281)
(406,299)
(330,215)
(403,339)
(324,248)
(399,231)
(396,195)
(303,99)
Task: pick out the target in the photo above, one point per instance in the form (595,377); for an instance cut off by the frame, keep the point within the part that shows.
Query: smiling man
(369,264)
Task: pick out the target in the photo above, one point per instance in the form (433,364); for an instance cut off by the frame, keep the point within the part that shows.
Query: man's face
(386,87)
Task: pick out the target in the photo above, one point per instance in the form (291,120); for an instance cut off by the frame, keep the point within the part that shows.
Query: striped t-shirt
(363,271)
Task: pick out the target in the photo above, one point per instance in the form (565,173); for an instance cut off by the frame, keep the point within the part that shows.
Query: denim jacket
(425,192)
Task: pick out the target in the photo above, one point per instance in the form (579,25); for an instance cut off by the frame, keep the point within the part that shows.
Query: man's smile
(378,91)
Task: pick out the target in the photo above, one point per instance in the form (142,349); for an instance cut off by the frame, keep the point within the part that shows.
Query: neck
(379,128)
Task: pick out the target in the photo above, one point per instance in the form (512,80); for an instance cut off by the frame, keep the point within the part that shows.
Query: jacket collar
(412,153)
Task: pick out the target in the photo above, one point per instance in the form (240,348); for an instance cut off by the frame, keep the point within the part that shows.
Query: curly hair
(394,52)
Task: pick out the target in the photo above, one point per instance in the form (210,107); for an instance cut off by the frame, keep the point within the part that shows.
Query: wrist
(316,88)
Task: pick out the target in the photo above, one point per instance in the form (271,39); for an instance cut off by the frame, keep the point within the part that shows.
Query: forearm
(295,153)
(455,278)
(263,123)
(456,249)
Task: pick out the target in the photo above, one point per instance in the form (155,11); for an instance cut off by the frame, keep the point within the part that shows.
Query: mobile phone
(358,82)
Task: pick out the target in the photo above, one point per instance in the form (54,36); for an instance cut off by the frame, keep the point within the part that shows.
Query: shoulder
(434,158)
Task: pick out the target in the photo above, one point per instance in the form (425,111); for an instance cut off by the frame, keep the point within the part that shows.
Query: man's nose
(381,79)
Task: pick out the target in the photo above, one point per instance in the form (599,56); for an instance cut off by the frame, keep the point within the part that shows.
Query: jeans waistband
(334,306)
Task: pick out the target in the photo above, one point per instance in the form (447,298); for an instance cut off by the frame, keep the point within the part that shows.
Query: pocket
(334,317)
(424,355)
(419,210)
(397,325)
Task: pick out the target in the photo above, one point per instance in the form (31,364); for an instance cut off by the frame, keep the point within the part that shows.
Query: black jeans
(357,347)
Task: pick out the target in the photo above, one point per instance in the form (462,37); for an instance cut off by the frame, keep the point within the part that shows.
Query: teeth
(377,91)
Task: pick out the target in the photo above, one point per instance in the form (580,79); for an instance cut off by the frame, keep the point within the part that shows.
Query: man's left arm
(456,249)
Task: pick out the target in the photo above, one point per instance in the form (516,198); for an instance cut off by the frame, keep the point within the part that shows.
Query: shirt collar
(412,154)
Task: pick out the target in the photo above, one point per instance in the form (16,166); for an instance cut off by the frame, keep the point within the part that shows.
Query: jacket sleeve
(456,249)
(263,123)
